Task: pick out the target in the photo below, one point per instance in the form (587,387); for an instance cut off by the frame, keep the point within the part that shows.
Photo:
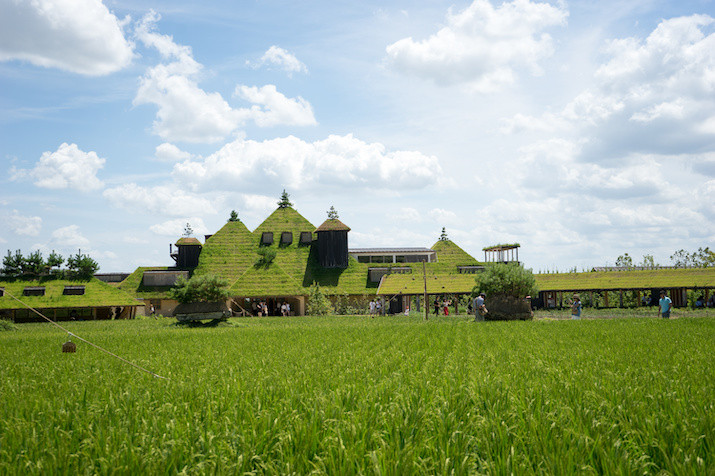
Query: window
(267,238)
(286,238)
(306,237)
(363,259)
(73,291)
(34,291)
(375,274)
(2,292)
(469,269)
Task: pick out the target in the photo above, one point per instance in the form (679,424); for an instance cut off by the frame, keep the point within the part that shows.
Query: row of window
(286,239)
(40,291)
(393,258)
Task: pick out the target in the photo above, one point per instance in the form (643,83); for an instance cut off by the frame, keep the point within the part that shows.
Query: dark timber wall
(333,249)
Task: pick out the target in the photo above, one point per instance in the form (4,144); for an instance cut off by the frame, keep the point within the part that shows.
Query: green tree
(34,264)
(81,266)
(284,202)
(12,264)
(333,213)
(704,258)
(318,303)
(204,288)
(649,262)
(188,230)
(234,216)
(624,261)
(443,235)
(506,279)
(54,261)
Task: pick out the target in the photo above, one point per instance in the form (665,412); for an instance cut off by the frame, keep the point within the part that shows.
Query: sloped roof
(133,284)
(332,224)
(449,255)
(190,241)
(436,283)
(655,278)
(229,252)
(96,294)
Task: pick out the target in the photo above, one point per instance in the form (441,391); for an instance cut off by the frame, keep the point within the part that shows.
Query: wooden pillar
(417,302)
(456,304)
(620,298)
(591,298)
(605,298)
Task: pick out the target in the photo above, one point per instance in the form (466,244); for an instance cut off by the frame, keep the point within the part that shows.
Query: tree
(332,213)
(624,261)
(54,261)
(204,288)
(188,230)
(318,304)
(81,266)
(649,262)
(234,216)
(704,258)
(284,202)
(443,236)
(506,279)
(12,264)
(33,264)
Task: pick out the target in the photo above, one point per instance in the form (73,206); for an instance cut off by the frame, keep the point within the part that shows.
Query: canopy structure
(501,253)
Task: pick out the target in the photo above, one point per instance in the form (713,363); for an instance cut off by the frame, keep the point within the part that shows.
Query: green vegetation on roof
(188,241)
(332,224)
(636,279)
(132,284)
(506,246)
(436,283)
(96,294)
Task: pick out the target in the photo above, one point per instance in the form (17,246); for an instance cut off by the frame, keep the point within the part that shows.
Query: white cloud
(68,237)
(277,109)
(81,36)
(282,59)
(338,162)
(187,113)
(443,217)
(67,167)
(176,227)
(163,200)
(481,46)
(167,152)
(22,225)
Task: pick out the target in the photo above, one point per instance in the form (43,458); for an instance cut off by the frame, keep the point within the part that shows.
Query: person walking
(576,308)
(664,305)
(436,307)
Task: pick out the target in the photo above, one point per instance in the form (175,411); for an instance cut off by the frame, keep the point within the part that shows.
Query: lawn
(345,395)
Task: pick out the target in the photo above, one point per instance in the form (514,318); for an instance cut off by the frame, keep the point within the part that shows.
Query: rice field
(351,395)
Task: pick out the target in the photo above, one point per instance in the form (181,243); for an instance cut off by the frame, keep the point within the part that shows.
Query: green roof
(96,294)
(436,283)
(332,224)
(133,284)
(636,279)
(188,241)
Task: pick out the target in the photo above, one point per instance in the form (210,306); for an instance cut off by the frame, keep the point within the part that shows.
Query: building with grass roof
(286,254)
(64,299)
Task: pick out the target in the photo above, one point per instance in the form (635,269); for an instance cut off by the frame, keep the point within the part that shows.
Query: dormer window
(2,292)
(267,238)
(73,291)
(34,291)
(306,238)
(286,238)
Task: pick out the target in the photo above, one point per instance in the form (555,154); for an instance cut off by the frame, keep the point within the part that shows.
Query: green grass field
(347,395)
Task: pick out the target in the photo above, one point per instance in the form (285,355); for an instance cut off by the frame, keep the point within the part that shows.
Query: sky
(581,130)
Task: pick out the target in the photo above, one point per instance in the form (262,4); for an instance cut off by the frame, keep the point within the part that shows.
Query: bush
(506,280)
(266,256)
(318,304)
(6,325)
(205,288)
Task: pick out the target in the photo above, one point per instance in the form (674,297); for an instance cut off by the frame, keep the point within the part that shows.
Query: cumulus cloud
(176,227)
(81,36)
(167,152)
(338,161)
(22,225)
(67,167)
(282,59)
(162,199)
(68,237)
(273,108)
(482,46)
(187,113)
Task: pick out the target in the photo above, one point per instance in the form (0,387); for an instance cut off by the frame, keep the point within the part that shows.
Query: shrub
(266,256)
(205,288)
(506,280)
(318,303)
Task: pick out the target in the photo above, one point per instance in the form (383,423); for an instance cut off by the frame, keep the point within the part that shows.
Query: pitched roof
(184,241)
(436,283)
(96,294)
(134,284)
(332,224)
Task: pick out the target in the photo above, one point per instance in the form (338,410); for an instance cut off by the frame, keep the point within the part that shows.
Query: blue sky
(581,130)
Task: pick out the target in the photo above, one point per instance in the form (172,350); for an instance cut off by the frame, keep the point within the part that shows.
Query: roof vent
(34,291)
(73,291)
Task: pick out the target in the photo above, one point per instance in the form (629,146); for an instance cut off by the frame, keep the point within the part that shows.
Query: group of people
(260,309)
(442,306)
(665,305)
(375,307)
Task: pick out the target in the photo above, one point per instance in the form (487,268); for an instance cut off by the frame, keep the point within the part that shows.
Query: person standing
(664,305)
(576,308)
(436,307)
(372,308)
(445,307)
(480,307)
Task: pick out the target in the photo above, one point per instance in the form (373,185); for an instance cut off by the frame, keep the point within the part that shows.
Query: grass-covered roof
(436,283)
(133,284)
(636,279)
(96,294)
(332,224)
